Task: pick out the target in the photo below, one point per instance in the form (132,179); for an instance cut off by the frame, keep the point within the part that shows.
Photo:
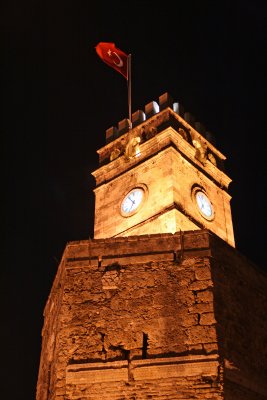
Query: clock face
(204,205)
(132,201)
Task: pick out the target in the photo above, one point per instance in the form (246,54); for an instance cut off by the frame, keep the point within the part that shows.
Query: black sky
(58,100)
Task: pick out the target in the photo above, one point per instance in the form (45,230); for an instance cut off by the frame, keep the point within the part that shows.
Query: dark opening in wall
(145,345)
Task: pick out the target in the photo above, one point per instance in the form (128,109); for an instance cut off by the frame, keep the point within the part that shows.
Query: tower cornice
(160,142)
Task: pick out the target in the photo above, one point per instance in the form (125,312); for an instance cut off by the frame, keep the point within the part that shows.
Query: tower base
(155,317)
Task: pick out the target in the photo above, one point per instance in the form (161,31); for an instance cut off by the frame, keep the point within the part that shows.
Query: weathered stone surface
(201,334)
(207,319)
(203,272)
(148,329)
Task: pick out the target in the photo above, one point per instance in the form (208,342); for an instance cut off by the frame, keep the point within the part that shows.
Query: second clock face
(132,201)
(204,205)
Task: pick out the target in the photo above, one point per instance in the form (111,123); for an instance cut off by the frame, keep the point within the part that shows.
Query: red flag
(113,57)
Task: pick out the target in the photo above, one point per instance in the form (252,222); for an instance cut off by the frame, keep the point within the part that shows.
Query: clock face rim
(129,213)
(210,216)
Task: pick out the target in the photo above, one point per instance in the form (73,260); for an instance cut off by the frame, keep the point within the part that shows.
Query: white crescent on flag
(118,64)
(114,57)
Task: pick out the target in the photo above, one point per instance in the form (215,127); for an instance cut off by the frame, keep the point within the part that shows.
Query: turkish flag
(113,57)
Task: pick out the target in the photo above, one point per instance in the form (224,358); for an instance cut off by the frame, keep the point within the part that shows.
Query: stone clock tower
(160,304)
(177,172)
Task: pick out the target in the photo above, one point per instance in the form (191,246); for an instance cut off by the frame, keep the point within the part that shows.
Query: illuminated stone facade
(174,159)
(159,305)
(155,317)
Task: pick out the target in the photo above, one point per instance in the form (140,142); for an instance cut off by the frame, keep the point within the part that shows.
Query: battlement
(157,118)
(153,108)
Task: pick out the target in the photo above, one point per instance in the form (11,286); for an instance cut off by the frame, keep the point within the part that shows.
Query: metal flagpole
(129,81)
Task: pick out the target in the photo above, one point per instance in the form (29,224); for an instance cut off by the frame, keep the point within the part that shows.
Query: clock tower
(159,304)
(163,176)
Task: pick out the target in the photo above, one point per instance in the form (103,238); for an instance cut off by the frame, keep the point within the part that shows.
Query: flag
(113,57)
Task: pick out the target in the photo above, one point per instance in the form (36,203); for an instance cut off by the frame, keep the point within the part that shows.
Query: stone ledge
(134,245)
(165,371)
(133,259)
(96,375)
(159,368)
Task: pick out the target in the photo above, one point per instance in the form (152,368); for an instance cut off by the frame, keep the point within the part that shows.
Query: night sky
(58,100)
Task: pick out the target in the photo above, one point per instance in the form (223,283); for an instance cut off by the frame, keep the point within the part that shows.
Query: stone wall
(240,304)
(152,317)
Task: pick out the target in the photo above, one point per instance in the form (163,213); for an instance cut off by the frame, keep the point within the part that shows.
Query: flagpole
(129,82)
